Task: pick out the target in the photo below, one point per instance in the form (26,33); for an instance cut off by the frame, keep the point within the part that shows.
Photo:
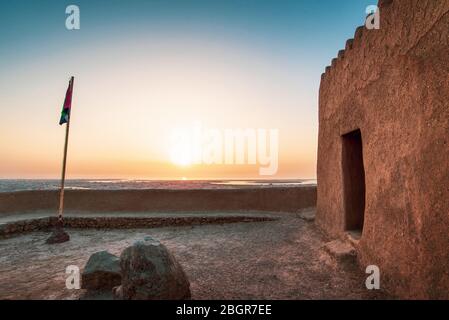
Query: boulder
(150,272)
(58,236)
(102,271)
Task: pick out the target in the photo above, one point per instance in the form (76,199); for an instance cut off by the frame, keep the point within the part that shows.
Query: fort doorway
(353,182)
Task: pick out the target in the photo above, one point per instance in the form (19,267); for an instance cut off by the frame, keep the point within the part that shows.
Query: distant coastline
(14,185)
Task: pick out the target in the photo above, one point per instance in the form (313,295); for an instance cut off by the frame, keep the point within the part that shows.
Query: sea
(12,185)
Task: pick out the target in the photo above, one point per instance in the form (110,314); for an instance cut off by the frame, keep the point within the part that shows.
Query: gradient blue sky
(142,67)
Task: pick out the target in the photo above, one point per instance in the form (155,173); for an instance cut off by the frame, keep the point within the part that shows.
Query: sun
(181,156)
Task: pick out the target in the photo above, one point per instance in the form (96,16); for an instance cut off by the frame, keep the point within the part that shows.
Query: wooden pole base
(58,235)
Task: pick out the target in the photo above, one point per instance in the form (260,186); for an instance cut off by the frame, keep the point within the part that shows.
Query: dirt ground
(280,259)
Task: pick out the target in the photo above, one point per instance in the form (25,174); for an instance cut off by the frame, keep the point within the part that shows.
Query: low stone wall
(24,226)
(273,199)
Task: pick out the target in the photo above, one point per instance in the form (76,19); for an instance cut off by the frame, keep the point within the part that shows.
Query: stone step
(307,214)
(342,251)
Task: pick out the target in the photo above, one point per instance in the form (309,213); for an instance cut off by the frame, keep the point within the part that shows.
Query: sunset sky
(144,68)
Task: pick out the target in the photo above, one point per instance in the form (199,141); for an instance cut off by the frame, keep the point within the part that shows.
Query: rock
(105,294)
(307,214)
(117,293)
(58,236)
(342,251)
(150,272)
(102,271)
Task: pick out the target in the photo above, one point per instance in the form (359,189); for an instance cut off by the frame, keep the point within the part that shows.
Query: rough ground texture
(393,85)
(281,259)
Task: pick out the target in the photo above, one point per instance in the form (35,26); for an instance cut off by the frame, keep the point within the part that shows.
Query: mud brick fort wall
(383,154)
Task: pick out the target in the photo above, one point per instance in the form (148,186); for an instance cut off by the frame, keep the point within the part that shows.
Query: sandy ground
(281,259)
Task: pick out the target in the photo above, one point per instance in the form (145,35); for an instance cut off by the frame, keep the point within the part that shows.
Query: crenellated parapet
(360,36)
(364,56)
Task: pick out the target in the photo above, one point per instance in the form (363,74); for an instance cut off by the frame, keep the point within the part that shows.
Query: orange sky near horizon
(144,69)
(128,97)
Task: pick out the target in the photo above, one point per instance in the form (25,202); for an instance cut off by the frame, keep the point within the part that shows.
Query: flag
(65,114)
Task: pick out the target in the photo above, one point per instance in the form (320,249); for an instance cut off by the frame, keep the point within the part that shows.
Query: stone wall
(393,85)
(281,199)
(45,224)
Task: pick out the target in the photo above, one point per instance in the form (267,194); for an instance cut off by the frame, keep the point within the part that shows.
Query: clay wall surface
(393,85)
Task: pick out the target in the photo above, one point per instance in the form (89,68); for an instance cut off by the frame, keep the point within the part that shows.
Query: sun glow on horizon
(181,157)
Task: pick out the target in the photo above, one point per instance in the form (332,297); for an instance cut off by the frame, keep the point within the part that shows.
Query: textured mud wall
(393,85)
(263,199)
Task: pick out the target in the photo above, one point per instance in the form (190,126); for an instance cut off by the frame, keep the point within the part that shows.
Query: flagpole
(59,235)
(64,165)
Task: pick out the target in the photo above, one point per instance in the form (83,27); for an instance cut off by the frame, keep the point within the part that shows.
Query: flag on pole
(65,114)
(59,235)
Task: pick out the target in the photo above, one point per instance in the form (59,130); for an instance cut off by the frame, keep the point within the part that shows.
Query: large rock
(102,271)
(150,272)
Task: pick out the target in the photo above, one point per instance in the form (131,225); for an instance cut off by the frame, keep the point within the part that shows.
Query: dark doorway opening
(353,182)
